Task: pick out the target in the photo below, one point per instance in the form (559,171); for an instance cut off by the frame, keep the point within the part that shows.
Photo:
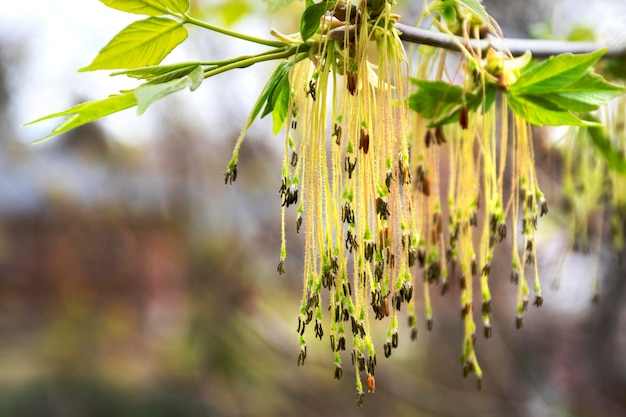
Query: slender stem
(246,61)
(242,36)
(517,47)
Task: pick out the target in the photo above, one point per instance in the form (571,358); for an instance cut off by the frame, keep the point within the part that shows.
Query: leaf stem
(246,61)
(267,42)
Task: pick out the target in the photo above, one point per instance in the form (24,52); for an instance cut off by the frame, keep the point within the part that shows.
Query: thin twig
(538,48)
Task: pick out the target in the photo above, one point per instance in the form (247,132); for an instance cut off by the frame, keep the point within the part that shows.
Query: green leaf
(310,21)
(477,8)
(434,99)
(281,105)
(149,93)
(554,73)
(149,7)
(160,73)
(279,74)
(591,89)
(273,5)
(142,43)
(538,111)
(89,111)
(613,157)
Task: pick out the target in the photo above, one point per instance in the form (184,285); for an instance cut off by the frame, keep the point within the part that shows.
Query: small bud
(463,118)
(429,324)
(338,372)
(371,384)
(364,141)
(360,397)
(538,300)
(519,322)
(414,333)
(280,268)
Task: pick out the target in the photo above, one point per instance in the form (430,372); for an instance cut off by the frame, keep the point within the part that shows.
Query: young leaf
(281,105)
(155,72)
(310,21)
(613,157)
(536,110)
(89,111)
(149,7)
(281,71)
(554,73)
(477,8)
(142,43)
(273,5)
(149,93)
(433,99)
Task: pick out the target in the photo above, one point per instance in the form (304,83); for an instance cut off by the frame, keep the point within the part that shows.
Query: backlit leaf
(477,8)
(149,93)
(273,5)
(142,43)
(541,113)
(88,112)
(554,73)
(310,21)
(149,7)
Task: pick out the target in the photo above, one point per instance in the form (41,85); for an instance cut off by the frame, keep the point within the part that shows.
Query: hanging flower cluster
(403,185)
(367,178)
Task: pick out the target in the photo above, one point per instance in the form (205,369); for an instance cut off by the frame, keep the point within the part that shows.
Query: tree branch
(538,48)
(517,47)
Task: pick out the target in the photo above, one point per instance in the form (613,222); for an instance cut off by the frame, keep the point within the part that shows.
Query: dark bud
(538,301)
(394,339)
(474,268)
(332,342)
(544,206)
(361,361)
(515,276)
(519,322)
(352,81)
(312,91)
(302,355)
(338,372)
(465,310)
(294,159)
(445,288)
(414,333)
(487,331)
(487,307)
(479,384)
(341,343)
(360,397)
(429,138)
(280,268)
(387,349)
(439,136)
(298,223)
(337,133)
(429,324)
(462,283)
(230,175)
(364,141)
(463,118)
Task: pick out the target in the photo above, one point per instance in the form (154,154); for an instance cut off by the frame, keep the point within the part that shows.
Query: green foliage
(549,92)
(273,5)
(442,102)
(310,21)
(149,7)
(142,43)
(478,10)
(614,158)
(88,112)
(149,93)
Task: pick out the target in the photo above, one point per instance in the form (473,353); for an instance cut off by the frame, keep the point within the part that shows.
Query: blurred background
(134,283)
